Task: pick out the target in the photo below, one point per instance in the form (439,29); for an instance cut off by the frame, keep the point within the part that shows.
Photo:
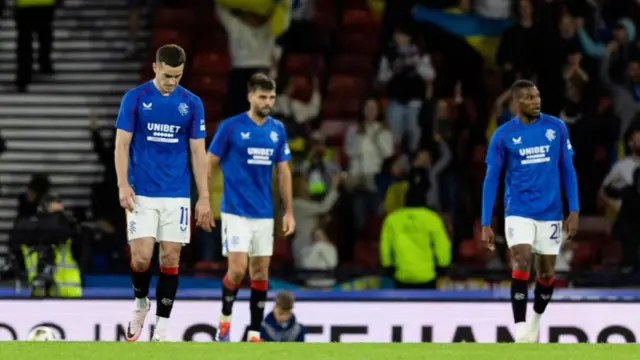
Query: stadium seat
(170,36)
(357,4)
(208,269)
(175,18)
(213,42)
(340,107)
(373,228)
(302,64)
(335,130)
(302,88)
(345,85)
(360,21)
(206,85)
(358,43)
(367,254)
(281,252)
(353,64)
(211,64)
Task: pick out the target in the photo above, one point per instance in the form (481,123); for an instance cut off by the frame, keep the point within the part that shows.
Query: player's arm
(568,171)
(125,125)
(197,133)
(495,163)
(285,184)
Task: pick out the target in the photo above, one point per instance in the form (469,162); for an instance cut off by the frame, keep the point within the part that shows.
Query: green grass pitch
(278,351)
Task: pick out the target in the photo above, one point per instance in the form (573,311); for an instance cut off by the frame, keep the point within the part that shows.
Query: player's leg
(546,247)
(167,287)
(142,226)
(236,237)
(259,260)
(520,237)
(259,274)
(174,232)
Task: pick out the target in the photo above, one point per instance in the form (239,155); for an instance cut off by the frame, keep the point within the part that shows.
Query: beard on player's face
(263,111)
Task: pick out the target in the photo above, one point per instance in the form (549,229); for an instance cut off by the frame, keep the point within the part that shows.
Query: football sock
(258,299)
(519,293)
(140,278)
(229,293)
(542,294)
(166,291)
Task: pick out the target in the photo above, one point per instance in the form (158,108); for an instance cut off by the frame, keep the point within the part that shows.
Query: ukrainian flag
(278,10)
(482,34)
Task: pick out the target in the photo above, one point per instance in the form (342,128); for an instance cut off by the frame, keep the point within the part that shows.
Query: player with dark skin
(528,103)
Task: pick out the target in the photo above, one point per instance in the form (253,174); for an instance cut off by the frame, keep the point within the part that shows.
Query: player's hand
(127,197)
(288,224)
(204,219)
(488,238)
(571,225)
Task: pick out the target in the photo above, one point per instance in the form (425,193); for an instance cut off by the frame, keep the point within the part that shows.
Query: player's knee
(546,274)
(237,268)
(140,261)
(259,274)
(170,259)
(521,260)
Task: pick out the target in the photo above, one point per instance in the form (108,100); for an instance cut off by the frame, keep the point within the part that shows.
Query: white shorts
(544,236)
(247,235)
(164,219)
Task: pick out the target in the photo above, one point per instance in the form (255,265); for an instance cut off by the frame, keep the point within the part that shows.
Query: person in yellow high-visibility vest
(414,243)
(33,17)
(67,279)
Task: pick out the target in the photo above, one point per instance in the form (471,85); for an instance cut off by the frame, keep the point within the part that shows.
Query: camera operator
(45,242)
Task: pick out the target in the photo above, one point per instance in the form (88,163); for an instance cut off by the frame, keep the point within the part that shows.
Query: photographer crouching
(45,242)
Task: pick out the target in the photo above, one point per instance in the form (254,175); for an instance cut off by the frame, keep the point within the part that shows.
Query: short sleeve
(127,115)
(495,152)
(284,153)
(198,127)
(220,144)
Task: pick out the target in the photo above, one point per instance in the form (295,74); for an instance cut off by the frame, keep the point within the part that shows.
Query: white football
(42,333)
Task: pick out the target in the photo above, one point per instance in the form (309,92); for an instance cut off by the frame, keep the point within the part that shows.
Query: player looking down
(158,125)
(247,146)
(536,152)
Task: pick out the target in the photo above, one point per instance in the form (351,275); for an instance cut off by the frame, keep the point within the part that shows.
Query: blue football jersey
(161,126)
(247,153)
(538,159)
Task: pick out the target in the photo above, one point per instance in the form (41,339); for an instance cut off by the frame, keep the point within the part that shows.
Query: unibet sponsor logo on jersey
(260,156)
(535,154)
(163,133)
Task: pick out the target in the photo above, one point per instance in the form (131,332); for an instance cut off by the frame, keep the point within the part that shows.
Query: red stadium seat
(302,64)
(352,64)
(175,18)
(169,36)
(360,21)
(345,85)
(367,254)
(211,64)
(340,107)
(205,85)
(302,88)
(281,252)
(335,129)
(358,43)
(357,4)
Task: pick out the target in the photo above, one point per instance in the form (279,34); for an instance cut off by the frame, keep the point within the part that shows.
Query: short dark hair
(521,84)
(171,55)
(260,81)
(285,300)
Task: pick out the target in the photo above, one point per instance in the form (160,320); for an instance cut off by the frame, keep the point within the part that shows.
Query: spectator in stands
(301,37)
(367,144)
(627,226)
(621,174)
(520,50)
(574,75)
(321,255)
(308,213)
(626,101)
(319,168)
(620,49)
(414,243)
(281,325)
(294,109)
(33,17)
(28,202)
(407,72)
(136,9)
(253,49)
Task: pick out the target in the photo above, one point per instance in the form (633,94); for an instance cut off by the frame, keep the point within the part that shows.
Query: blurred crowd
(388,112)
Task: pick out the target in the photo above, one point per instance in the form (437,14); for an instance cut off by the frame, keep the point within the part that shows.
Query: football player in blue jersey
(247,147)
(158,125)
(536,153)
